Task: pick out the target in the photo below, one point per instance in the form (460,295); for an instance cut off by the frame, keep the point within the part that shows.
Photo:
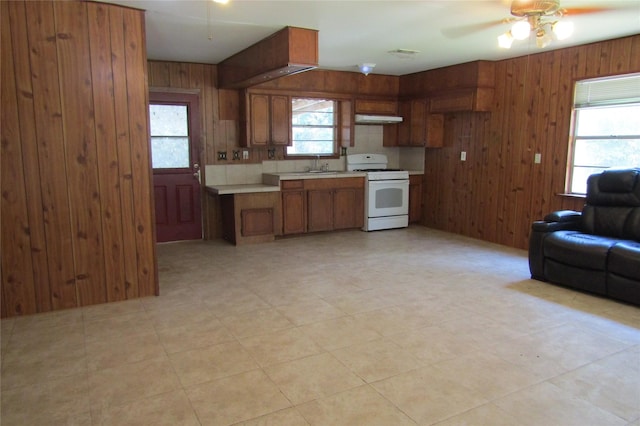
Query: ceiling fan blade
(612,6)
(465,30)
(575,11)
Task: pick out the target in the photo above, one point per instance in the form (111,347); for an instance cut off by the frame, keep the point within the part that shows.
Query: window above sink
(314,127)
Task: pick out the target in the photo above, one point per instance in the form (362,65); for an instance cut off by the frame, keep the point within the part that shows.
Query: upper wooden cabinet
(267,120)
(458,88)
(419,127)
(376,106)
(477,99)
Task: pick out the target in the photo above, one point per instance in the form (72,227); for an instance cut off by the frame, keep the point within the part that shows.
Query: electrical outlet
(537,158)
(271,153)
(245,155)
(222,155)
(236,155)
(463,156)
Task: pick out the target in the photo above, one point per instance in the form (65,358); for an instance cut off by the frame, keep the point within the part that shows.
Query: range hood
(377,119)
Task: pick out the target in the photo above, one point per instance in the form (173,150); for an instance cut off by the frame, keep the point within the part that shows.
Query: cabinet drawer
(334,183)
(291,184)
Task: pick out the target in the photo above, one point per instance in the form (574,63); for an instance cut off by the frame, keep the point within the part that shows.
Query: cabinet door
(418,122)
(404,128)
(320,210)
(348,208)
(293,212)
(280,120)
(259,120)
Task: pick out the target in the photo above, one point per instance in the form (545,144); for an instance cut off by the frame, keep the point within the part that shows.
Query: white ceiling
(353,32)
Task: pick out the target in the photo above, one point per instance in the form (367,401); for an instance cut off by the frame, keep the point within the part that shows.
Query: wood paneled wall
(218,133)
(77,217)
(499,191)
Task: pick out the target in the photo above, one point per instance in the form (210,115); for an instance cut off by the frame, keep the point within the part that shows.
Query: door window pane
(169,136)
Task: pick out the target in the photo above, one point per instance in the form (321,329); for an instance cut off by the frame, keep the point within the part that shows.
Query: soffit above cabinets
(288,51)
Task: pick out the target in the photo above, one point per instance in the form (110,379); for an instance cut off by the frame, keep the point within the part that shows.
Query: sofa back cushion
(614,188)
(616,222)
(613,204)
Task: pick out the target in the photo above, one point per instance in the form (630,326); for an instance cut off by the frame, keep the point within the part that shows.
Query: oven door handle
(386,182)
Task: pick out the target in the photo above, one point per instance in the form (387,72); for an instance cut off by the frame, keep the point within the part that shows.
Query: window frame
(336,128)
(601,100)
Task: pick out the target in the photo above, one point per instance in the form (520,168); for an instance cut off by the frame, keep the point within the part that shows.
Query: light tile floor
(401,327)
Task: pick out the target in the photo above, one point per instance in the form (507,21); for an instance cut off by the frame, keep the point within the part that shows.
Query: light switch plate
(463,156)
(537,158)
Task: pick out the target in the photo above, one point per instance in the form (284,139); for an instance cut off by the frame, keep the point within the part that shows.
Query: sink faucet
(315,162)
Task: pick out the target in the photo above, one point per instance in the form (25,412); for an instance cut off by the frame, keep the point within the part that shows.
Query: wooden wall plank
(634,57)
(544,192)
(18,291)
(29,144)
(159,74)
(107,153)
(54,180)
(81,161)
(138,96)
(66,156)
(531,113)
(123,146)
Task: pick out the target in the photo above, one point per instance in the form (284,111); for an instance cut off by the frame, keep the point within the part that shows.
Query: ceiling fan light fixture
(543,40)
(520,30)
(366,68)
(562,29)
(505,40)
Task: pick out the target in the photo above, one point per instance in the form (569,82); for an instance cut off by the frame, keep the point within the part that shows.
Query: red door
(175,149)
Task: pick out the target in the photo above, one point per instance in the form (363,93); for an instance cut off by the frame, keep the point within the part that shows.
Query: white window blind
(617,90)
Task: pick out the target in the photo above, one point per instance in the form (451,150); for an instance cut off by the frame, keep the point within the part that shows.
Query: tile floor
(399,327)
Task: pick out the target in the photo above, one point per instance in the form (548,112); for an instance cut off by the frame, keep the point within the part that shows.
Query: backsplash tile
(368,139)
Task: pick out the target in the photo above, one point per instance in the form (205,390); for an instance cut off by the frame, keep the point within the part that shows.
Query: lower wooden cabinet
(293,207)
(348,208)
(315,205)
(320,210)
(251,217)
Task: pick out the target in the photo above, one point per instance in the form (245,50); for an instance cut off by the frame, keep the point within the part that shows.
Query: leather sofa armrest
(562,220)
(563,216)
(545,227)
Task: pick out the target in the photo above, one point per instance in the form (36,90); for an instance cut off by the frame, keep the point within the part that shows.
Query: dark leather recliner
(597,250)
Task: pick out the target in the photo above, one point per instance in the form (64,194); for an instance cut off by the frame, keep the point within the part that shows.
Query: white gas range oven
(386,196)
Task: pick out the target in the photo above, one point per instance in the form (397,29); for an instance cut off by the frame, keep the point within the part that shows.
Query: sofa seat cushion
(578,249)
(624,259)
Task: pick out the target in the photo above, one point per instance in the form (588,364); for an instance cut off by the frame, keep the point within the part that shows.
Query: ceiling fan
(543,18)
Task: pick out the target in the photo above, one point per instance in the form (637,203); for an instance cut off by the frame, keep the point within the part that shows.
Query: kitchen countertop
(271,181)
(275,178)
(242,189)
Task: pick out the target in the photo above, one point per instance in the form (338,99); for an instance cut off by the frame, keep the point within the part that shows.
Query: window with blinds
(606,128)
